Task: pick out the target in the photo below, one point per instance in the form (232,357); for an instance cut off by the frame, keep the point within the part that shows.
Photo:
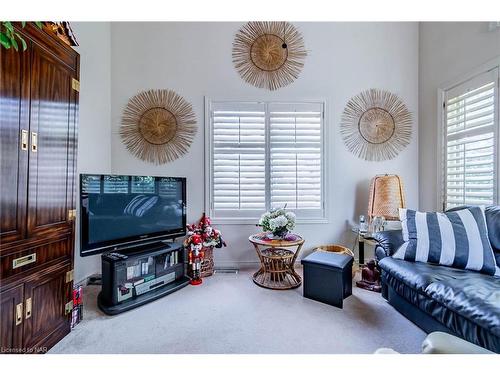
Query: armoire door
(11,319)
(45,297)
(52,132)
(14,133)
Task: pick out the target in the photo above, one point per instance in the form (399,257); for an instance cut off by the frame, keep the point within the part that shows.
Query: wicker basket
(207,264)
(338,249)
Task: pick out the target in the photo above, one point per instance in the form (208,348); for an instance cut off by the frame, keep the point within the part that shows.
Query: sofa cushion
(492,214)
(433,289)
(475,298)
(458,239)
(387,242)
(417,275)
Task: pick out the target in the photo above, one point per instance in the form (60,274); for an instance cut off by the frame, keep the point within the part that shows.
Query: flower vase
(280,234)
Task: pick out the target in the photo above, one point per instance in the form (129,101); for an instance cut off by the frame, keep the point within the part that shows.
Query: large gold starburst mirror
(269,54)
(158,126)
(376,125)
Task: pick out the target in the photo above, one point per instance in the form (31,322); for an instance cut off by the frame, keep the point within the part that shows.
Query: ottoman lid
(330,259)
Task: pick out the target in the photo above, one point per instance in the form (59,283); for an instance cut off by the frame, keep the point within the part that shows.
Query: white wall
(344,58)
(94,137)
(448,51)
(194,59)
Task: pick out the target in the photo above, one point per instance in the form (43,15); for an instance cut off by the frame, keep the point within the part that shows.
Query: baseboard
(224,265)
(85,281)
(237,265)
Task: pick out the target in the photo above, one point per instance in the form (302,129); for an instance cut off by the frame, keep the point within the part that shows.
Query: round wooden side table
(276,261)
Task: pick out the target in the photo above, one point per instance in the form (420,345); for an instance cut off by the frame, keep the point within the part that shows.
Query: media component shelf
(135,276)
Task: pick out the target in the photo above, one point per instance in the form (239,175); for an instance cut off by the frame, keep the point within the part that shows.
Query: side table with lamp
(386,198)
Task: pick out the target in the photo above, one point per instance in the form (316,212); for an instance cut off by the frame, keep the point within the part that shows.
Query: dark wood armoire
(38,134)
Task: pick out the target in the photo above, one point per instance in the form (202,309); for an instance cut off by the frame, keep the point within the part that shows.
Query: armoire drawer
(32,257)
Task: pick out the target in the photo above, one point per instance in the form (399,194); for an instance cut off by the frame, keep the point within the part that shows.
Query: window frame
(441,130)
(208,154)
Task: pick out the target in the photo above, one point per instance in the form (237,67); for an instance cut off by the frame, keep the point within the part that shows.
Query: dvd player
(155,283)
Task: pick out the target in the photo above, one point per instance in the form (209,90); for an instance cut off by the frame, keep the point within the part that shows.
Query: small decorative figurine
(370,277)
(210,238)
(195,259)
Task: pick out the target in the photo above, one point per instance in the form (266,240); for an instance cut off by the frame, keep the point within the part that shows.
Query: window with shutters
(263,155)
(471,135)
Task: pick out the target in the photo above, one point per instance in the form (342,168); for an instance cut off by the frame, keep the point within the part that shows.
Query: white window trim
(490,65)
(208,161)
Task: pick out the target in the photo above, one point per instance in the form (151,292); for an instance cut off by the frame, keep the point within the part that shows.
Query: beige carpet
(228,313)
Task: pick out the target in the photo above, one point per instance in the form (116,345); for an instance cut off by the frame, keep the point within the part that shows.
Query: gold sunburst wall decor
(376,125)
(158,126)
(269,55)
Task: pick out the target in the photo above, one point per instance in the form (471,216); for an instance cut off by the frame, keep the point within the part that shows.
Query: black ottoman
(328,277)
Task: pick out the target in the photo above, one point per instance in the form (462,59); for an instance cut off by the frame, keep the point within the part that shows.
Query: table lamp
(386,197)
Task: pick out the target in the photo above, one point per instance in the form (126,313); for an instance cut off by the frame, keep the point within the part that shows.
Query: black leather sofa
(439,298)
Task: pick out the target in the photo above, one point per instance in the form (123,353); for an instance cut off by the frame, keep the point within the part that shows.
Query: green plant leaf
(23,24)
(14,44)
(8,26)
(39,24)
(23,42)
(8,34)
(4,40)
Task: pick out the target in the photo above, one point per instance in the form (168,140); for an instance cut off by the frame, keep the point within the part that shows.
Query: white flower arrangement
(277,221)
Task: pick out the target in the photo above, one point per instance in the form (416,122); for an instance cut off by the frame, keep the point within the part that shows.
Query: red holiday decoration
(201,236)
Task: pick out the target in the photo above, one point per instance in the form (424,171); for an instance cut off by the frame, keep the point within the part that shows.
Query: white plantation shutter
(295,148)
(238,159)
(471,142)
(263,156)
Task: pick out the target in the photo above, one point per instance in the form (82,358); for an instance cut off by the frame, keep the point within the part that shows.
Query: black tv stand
(137,275)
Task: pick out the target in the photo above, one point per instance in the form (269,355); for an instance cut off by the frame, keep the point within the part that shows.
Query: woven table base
(276,270)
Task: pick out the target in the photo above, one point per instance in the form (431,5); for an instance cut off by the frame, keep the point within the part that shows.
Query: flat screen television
(120,211)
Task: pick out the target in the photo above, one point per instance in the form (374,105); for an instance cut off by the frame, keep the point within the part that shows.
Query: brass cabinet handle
(75,84)
(24,140)
(34,142)
(71,215)
(19,313)
(27,313)
(22,261)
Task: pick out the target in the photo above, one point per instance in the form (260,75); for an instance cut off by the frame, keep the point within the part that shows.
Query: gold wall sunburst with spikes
(158,126)
(269,54)
(376,125)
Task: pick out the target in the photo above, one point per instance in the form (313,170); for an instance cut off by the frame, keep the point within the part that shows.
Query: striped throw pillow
(457,239)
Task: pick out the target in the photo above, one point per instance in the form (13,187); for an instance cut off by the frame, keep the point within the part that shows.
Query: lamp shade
(386,197)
